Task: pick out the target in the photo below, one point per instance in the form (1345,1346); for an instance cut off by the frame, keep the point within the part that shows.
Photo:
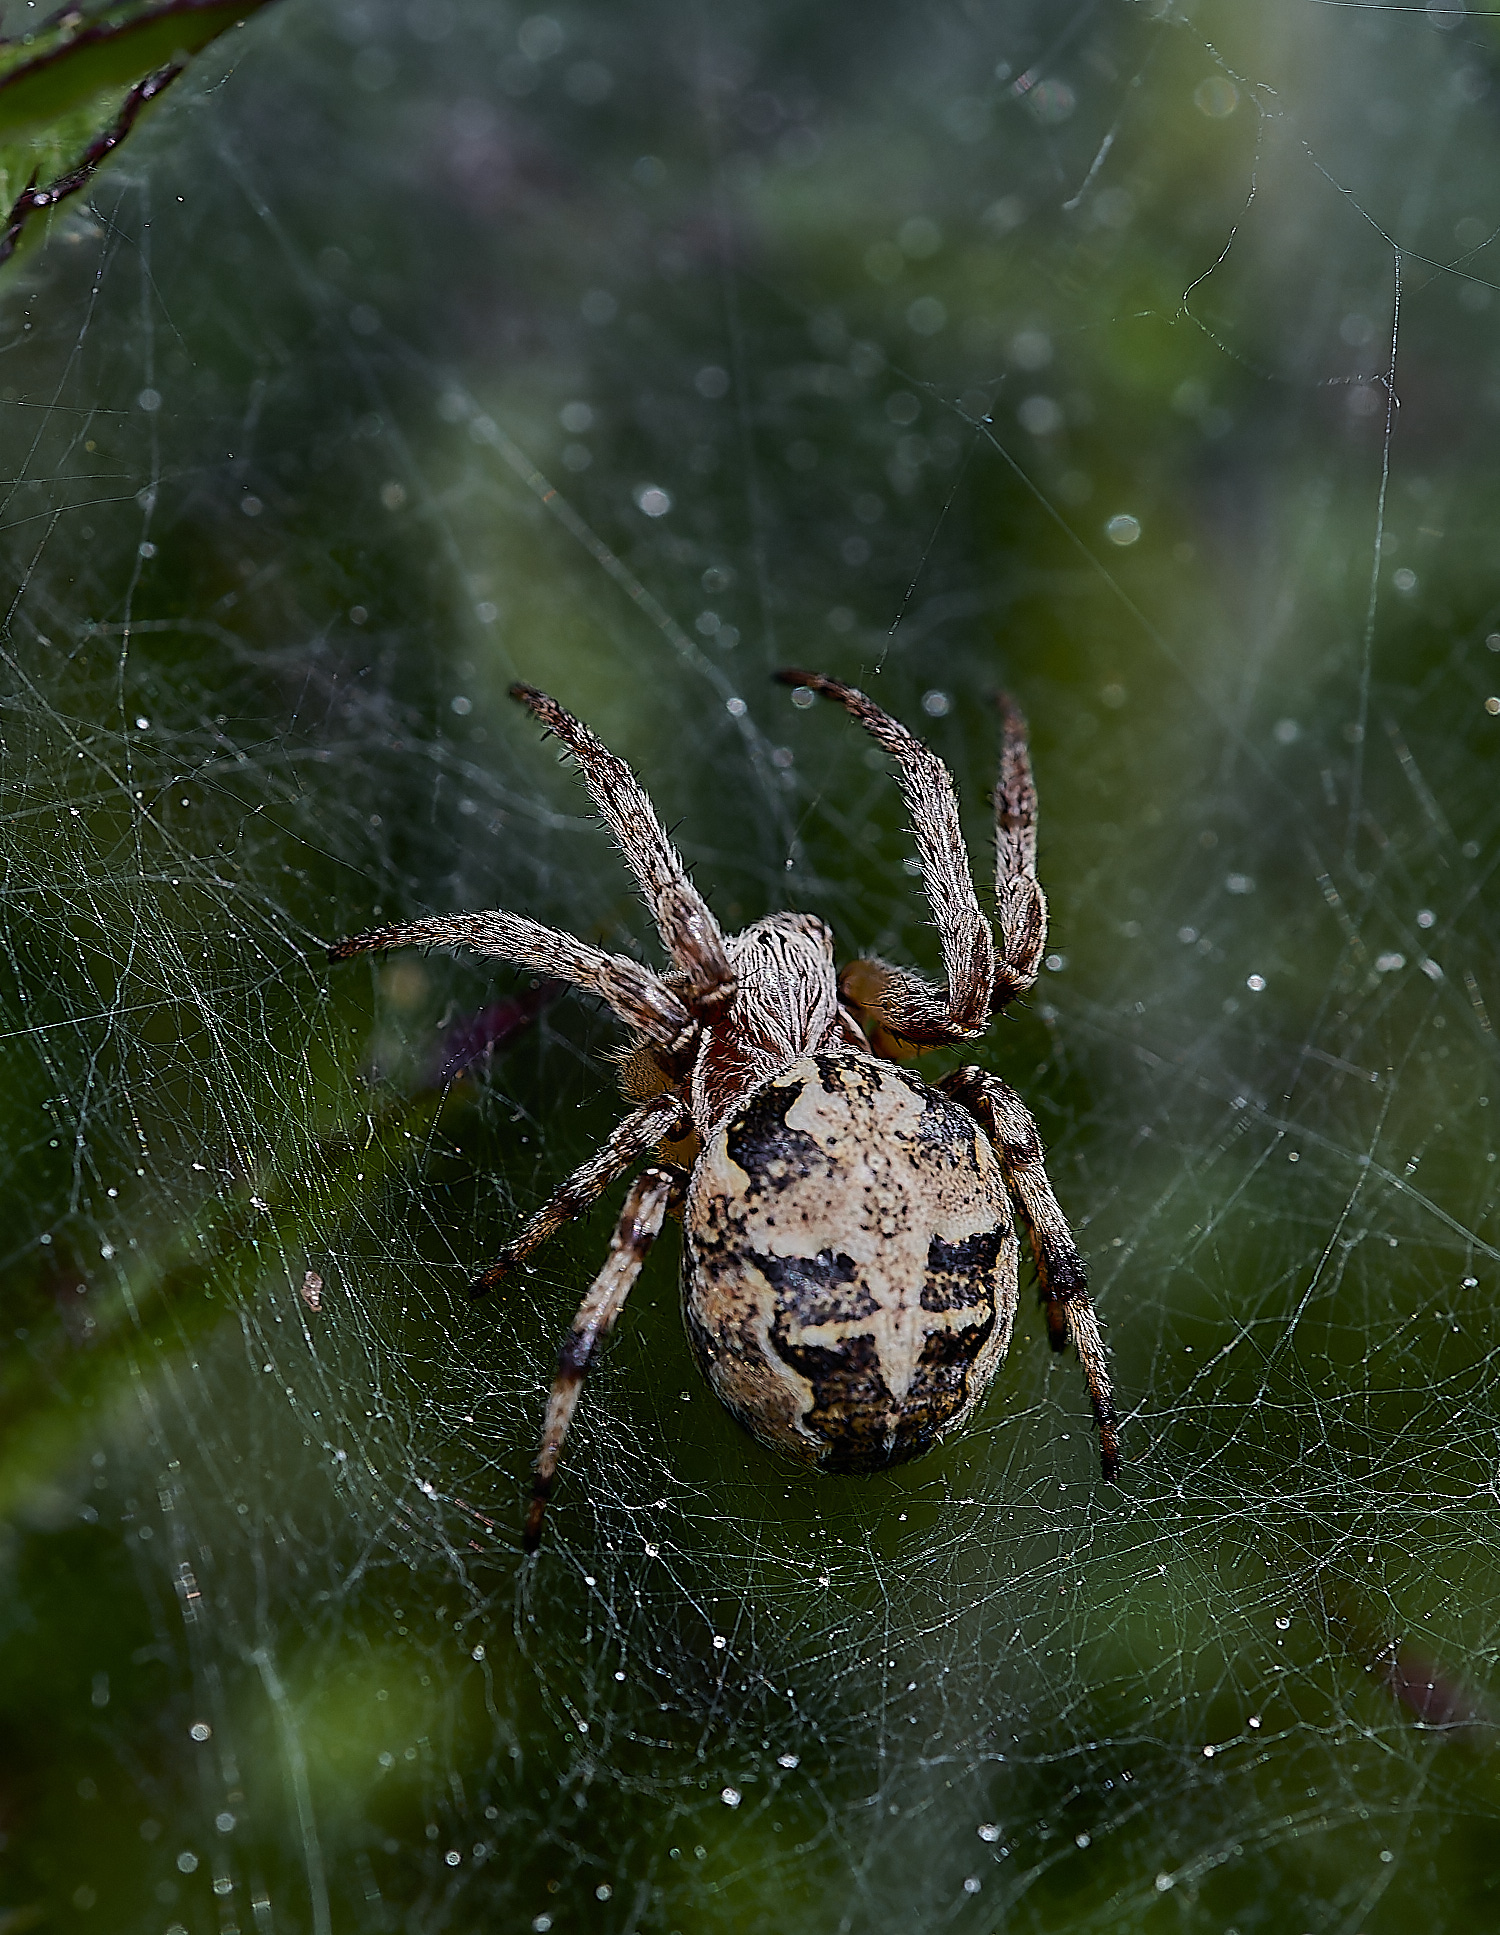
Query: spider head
(786,1005)
(788,987)
(781,944)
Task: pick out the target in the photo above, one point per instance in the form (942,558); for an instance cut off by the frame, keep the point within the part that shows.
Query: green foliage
(70,94)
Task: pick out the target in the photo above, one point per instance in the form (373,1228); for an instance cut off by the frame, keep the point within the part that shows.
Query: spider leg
(1061,1277)
(638,1228)
(637,996)
(662,1119)
(689,932)
(901,1002)
(1020,905)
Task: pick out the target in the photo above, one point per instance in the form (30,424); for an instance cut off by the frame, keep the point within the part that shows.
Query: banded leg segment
(638,1228)
(1020,904)
(689,932)
(662,1119)
(903,1002)
(1061,1277)
(640,998)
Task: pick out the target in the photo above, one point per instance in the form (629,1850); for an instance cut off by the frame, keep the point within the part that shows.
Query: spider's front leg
(979,981)
(1061,1278)
(651,1195)
(639,997)
(900,1002)
(689,932)
(1020,904)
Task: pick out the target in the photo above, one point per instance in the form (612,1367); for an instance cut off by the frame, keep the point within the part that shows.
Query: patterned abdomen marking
(849,1265)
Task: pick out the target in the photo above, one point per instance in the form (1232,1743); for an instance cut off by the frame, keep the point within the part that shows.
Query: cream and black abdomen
(849,1263)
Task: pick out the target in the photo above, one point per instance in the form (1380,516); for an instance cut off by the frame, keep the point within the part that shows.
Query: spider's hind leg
(1060,1274)
(651,1195)
(662,1119)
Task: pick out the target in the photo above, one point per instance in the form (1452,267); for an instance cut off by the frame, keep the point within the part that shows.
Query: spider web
(1140,360)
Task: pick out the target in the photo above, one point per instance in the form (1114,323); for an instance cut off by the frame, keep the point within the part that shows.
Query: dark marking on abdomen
(851,1407)
(846,1075)
(944,1127)
(853,1410)
(962,1274)
(940,1389)
(821,1289)
(759,1136)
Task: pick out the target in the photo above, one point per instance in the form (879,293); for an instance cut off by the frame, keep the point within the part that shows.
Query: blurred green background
(408,349)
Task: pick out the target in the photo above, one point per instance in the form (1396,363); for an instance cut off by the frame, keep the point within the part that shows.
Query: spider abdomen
(849,1263)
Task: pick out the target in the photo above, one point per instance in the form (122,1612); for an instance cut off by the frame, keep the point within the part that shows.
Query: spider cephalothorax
(850,1257)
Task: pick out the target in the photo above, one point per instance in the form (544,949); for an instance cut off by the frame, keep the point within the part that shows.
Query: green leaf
(71,95)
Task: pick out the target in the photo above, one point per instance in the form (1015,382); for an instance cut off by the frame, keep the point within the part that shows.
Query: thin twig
(31,198)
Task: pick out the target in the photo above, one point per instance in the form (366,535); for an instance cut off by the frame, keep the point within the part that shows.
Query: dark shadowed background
(1141,360)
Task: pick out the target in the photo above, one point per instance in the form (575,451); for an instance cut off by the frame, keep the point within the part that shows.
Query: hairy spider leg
(662,1119)
(1061,1278)
(1020,904)
(638,1228)
(640,998)
(904,1003)
(689,932)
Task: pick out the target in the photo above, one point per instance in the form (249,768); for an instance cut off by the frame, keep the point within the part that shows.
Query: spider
(850,1255)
